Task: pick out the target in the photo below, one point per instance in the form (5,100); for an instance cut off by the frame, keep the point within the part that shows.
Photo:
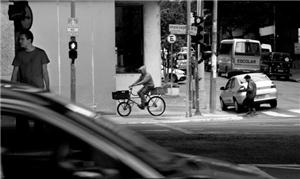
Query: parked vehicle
(234,92)
(238,56)
(181,60)
(43,136)
(276,64)
(175,75)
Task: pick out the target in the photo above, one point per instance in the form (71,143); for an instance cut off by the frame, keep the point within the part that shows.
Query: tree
(172,13)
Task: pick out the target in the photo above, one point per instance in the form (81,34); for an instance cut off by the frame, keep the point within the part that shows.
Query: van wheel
(223,105)
(237,106)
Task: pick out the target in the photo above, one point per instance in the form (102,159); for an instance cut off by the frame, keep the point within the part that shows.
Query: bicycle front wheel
(156,106)
(124,109)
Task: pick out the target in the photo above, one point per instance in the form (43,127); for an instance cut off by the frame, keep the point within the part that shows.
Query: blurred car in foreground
(44,136)
(175,76)
(234,93)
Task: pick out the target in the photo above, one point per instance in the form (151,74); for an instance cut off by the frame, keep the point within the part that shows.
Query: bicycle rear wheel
(124,109)
(156,106)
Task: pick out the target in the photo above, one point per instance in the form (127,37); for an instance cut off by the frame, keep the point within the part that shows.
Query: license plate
(280,70)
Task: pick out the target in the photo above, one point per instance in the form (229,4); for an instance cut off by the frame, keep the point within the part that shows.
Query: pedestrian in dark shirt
(250,95)
(30,64)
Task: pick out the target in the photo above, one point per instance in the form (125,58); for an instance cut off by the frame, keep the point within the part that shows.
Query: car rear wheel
(223,105)
(273,104)
(237,106)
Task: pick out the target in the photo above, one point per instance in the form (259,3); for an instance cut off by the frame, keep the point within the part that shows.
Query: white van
(238,56)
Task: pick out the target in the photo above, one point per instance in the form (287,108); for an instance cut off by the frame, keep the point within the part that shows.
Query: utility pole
(213,79)
(188,66)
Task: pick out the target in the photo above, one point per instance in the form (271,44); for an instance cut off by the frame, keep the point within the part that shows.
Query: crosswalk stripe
(295,110)
(272,113)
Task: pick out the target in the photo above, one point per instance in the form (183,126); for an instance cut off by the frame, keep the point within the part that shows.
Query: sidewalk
(175,113)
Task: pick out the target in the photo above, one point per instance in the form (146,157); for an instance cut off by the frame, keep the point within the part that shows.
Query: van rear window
(225,49)
(247,48)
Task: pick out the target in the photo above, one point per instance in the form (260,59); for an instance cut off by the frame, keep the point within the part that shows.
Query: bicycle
(155,104)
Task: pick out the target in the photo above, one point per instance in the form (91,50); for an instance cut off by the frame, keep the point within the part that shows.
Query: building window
(129,38)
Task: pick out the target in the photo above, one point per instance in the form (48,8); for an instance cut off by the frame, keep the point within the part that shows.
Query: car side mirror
(222,88)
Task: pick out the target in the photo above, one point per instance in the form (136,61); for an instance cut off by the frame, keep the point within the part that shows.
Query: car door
(228,92)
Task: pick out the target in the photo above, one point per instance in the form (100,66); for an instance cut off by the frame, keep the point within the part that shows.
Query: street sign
(73,28)
(181,29)
(171,38)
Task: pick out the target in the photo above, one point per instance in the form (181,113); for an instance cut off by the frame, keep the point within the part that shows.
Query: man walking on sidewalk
(250,95)
(30,64)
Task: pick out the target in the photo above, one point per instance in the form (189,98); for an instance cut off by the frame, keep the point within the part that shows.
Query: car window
(247,48)
(225,49)
(232,84)
(228,84)
(32,148)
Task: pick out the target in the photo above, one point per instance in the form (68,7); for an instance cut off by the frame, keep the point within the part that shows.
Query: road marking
(175,128)
(295,110)
(276,114)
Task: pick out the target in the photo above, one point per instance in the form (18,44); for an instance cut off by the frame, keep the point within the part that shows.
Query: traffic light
(199,23)
(73,48)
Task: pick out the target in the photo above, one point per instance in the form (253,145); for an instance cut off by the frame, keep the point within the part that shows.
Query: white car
(177,74)
(234,93)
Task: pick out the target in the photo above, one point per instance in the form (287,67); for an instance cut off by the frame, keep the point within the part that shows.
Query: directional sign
(181,29)
(73,28)
(171,38)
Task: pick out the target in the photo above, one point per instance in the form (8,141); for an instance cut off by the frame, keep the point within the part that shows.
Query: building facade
(115,38)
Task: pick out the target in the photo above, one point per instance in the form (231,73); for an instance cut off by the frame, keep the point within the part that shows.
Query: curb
(169,119)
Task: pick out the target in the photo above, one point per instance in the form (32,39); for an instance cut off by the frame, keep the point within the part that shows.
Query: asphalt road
(247,141)
(270,137)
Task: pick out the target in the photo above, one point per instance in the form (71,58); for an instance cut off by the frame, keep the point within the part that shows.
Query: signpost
(171,39)
(73,28)
(181,29)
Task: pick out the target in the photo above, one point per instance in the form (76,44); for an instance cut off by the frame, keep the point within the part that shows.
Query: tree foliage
(172,13)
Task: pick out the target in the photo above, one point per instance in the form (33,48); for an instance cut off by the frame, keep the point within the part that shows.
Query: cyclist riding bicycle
(146,80)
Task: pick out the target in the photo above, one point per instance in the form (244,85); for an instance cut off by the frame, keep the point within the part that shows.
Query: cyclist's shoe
(141,106)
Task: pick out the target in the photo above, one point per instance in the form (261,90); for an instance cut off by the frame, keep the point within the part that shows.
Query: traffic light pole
(188,66)
(73,68)
(212,99)
(197,69)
